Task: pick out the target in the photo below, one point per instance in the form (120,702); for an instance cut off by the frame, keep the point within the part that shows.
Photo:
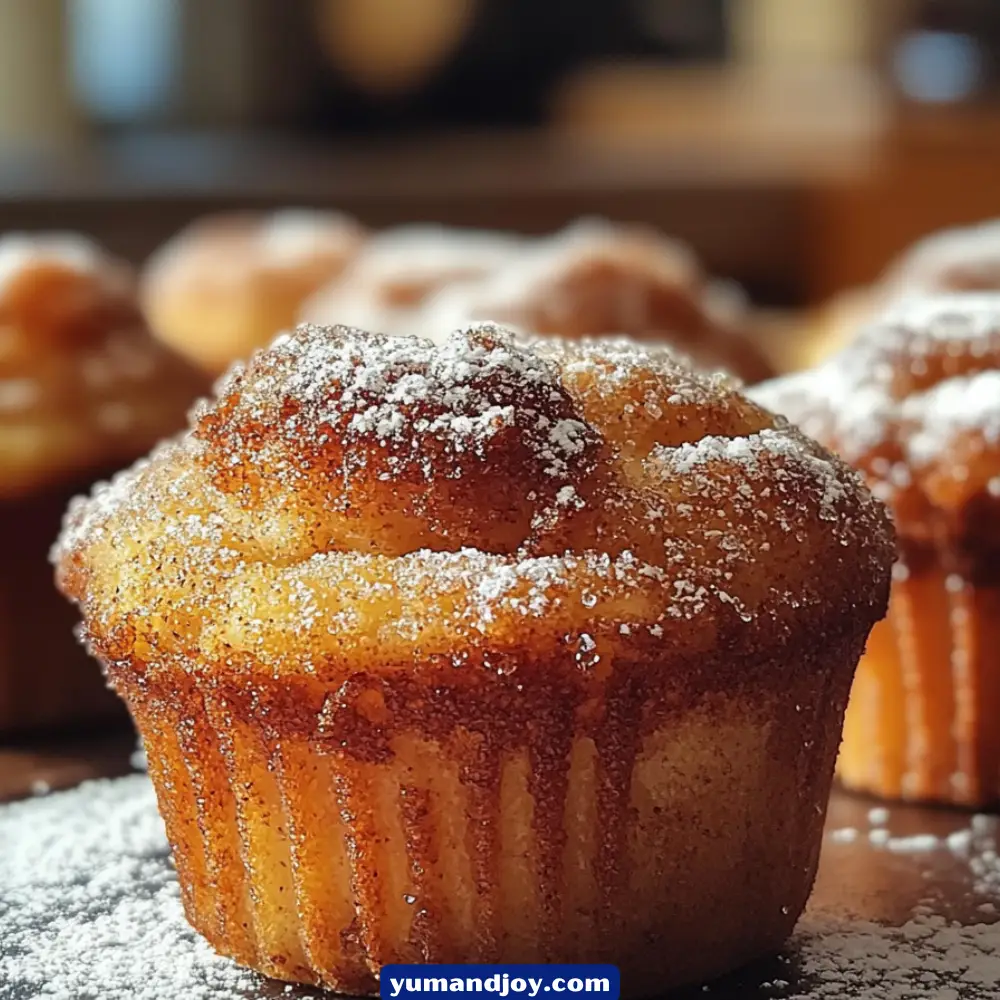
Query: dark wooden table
(28,767)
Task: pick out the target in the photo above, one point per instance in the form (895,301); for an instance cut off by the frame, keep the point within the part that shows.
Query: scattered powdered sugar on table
(928,958)
(90,908)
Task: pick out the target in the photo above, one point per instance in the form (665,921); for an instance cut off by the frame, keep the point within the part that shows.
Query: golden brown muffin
(596,278)
(84,389)
(914,404)
(965,259)
(400,269)
(953,260)
(482,652)
(227,284)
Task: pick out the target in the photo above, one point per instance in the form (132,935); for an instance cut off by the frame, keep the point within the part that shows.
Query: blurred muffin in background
(914,404)
(399,269)
(597,278)
(84,389)
(227,284)
(965,259)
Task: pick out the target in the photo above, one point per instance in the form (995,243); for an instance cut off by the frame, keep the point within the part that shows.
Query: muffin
(482,652)
(597,278)
(954,260)
(965,259)
(400,269)
(914,403)
(227,284)
(84,390)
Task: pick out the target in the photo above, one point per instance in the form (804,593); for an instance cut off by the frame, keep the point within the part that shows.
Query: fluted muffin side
(322,833)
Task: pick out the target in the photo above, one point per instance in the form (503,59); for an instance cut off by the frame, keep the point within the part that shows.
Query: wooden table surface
(858,875)
(31,766)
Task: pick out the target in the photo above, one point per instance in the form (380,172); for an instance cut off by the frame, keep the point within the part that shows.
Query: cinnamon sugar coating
(348,497)
(83,386)
(914,403)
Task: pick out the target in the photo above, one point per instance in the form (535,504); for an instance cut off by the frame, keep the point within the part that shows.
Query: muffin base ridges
(921,724)
(676,837)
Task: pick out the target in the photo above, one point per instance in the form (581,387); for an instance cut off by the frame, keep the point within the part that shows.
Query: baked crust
(507,495)
(82,384)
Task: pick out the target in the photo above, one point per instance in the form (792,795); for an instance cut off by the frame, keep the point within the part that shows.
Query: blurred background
(796,144)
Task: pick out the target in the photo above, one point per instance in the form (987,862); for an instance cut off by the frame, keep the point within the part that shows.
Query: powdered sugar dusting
(388,282)
(950,408)
(971,317)
(902,394)
(951,260)
(541,268)
(751,450)
(485,488)
(293,235)
(71,250)
(472,387)
(89,907)
(928,957)
(929,954)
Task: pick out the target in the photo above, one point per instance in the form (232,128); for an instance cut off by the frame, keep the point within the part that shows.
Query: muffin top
(597,278)
(955,260)
(399,268)
(219,253)
(83,386)
(350,501)
(914,403)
